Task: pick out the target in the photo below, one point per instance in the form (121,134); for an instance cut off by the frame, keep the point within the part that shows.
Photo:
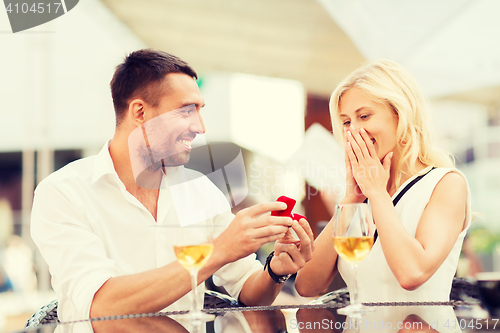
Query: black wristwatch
(277,278)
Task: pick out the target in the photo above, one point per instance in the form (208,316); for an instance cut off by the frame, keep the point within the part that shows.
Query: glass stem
(194,285)
(354,295)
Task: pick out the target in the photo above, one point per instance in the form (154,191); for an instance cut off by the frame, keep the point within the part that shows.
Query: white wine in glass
(193,256)
(353,248)
(193,247)
(353,237)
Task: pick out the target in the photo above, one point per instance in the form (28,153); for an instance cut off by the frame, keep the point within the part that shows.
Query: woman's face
(378,119)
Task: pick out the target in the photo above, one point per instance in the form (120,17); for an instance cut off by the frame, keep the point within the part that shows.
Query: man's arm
(86,275)
(145,292)
(156,289)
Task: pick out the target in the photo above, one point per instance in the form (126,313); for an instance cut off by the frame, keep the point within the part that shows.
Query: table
(296,318)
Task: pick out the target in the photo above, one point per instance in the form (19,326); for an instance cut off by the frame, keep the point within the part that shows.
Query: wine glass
(193,246)
(353,232)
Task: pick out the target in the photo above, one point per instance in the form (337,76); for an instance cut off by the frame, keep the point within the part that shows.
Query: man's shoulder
(80,170)
(68,183)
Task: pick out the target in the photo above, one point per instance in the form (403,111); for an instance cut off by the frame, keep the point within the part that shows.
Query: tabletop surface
(300,318)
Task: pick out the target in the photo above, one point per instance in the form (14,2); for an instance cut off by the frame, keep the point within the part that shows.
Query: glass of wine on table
(353,237)
(193,246)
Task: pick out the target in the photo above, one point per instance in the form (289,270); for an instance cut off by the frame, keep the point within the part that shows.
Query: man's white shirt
(89,228)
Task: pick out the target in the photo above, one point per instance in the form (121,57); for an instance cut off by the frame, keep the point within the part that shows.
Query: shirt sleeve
(234,275)
(76,257)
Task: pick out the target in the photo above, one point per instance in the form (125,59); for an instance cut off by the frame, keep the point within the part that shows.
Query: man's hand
(291,254)
(251,228)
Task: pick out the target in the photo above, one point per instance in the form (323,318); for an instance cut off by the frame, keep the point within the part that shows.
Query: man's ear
(137,112)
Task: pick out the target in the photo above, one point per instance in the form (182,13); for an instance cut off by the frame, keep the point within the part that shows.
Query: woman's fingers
(361,145)
(352,157)
(369,143)
(387,161)
(347,161)
(354,146)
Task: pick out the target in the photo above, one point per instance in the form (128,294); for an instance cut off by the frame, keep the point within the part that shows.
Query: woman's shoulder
(452,195)
(442,177)
(453,180)
(449,176)
(451,183)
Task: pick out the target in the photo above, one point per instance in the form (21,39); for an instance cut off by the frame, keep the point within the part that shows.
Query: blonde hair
(388,82)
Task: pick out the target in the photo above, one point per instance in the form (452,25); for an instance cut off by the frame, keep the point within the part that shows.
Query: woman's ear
(137,112)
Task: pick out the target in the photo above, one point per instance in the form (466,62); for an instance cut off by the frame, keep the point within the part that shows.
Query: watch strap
(277,278)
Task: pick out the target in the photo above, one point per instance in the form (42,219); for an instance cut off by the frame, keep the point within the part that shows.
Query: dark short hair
(141,76)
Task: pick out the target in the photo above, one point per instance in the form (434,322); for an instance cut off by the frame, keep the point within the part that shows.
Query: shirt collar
(103,164)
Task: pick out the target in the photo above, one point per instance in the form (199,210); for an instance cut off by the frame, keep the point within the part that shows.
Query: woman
(386,132)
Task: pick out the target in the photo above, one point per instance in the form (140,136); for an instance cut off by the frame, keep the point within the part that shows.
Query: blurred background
(266,71)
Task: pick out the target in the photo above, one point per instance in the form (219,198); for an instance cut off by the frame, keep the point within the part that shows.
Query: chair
(339,296)
(464,289)
(46,315)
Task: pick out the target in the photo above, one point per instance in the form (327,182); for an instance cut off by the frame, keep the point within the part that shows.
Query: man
(97,221)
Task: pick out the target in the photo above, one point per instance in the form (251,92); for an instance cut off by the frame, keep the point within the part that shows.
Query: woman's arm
(319,272)
(413,260)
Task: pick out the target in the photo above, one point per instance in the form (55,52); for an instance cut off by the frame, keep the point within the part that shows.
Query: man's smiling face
(172,125)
